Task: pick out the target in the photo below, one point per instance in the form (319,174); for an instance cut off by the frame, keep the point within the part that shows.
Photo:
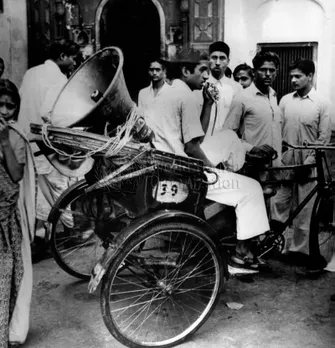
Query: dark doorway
(133,26)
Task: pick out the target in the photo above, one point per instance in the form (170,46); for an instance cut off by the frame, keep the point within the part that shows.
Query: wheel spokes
(164,288)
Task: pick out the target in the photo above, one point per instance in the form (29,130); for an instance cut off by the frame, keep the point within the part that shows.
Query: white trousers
(50,187)
(287,199)
(246,195)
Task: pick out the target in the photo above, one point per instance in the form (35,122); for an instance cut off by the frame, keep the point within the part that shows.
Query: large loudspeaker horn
(95,93)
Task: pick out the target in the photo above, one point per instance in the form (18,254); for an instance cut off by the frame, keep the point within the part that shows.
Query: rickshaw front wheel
(162,285)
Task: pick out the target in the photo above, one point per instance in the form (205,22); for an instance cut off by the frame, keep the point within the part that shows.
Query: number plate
(170,192)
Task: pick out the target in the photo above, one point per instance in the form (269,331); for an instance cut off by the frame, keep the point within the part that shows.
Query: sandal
(238,271)
(244,261)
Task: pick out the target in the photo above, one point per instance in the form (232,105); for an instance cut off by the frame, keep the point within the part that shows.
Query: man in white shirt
(227,88)
(160,109)
(305,117)
(220,145)
(42,84)
(243,193)
(40,87)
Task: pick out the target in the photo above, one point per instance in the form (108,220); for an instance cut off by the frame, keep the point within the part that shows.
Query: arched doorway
(134,26)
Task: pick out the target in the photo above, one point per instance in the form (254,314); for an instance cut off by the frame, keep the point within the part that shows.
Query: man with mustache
(254,113)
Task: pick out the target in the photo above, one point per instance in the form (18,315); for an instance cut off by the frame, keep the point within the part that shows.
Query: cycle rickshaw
(139,219)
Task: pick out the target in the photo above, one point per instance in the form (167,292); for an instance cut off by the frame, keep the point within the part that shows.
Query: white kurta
(219,144)
(220,108)
(231,82)
(40,88)
(161,113)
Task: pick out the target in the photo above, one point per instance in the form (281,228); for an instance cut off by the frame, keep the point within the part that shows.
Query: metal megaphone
(95,94)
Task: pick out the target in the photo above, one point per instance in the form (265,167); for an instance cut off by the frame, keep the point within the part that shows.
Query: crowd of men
(197,108)
(243,117)
(187,120)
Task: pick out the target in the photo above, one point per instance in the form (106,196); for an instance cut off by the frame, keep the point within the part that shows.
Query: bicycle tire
(322,228)
(75,253)
(169,304)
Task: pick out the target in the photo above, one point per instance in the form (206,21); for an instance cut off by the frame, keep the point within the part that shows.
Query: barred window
(288,53)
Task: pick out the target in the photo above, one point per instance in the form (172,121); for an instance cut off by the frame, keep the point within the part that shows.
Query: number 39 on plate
(170,191)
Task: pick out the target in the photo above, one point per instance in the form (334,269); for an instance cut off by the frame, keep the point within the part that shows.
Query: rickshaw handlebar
(311,146)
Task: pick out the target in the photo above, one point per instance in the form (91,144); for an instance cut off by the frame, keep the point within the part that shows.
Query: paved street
(281,309)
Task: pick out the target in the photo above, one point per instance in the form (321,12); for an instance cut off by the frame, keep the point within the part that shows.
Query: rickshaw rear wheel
(162,285)
(77,247)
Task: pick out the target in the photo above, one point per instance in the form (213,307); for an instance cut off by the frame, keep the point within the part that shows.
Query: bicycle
(148,234)
(322,224)
(160,263)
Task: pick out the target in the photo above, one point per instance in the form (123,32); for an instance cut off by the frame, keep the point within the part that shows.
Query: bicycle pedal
(273,242)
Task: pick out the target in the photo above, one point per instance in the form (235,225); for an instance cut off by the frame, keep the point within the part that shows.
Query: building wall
(13,39)
(243,24)
(249,22)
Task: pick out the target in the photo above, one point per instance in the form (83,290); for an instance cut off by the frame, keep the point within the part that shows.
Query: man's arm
(208,101)
(14,168)
(193,149)
(324,130)
(325,123)
(140,99)
(206,115)
(235,117)
(192,131)
(282,112)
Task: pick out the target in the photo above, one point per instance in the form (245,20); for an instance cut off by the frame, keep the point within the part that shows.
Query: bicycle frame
(322,183)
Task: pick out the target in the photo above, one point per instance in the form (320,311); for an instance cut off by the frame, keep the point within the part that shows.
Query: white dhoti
(246,195)
(287,199)
(224,147)
(50,187)
(51,184)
